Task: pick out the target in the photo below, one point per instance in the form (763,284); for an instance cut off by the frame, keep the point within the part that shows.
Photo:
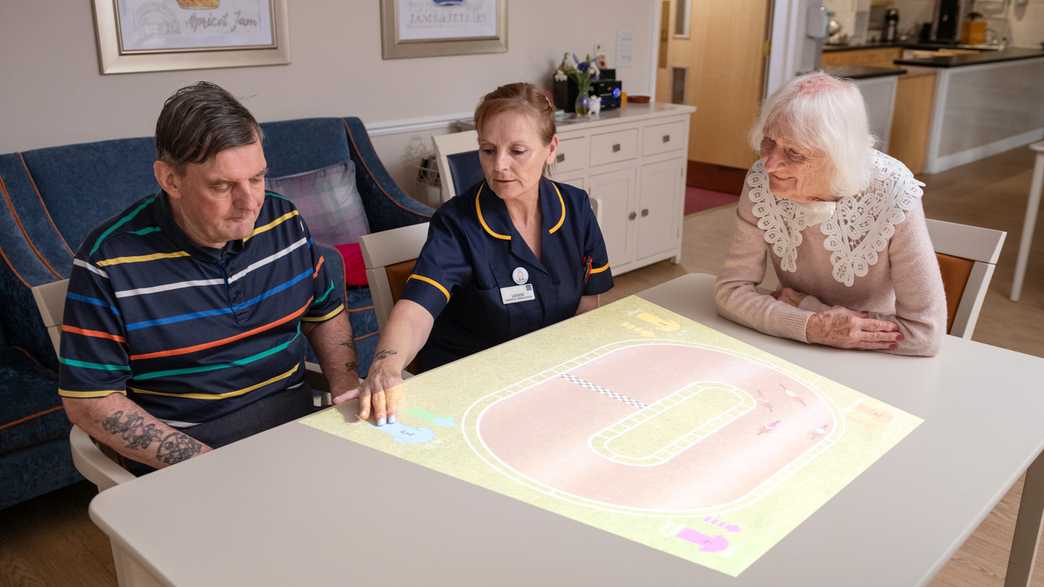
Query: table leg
(131,573)
(1028,225)
(1027,527)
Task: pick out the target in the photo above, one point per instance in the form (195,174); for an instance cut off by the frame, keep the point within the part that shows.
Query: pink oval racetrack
(544,432)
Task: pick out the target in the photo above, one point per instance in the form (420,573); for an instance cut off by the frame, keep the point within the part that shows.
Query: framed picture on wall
(162,35)
(433,28)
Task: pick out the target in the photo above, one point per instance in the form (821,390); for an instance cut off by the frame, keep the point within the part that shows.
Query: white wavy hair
(819,112)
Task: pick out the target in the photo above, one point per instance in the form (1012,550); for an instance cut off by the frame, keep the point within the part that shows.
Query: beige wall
(52,93)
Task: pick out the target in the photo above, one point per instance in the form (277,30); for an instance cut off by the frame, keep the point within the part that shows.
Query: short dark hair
(199,121)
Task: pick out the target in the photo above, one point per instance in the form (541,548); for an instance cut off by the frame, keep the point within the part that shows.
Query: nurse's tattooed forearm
(383,354)
(132,429)
(177,447)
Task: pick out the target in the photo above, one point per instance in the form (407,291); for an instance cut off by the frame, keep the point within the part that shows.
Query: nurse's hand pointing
(381,393)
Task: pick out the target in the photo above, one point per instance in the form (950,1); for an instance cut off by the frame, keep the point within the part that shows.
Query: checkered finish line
(592,386)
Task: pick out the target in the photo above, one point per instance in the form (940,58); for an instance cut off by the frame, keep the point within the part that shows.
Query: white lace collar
(860,228)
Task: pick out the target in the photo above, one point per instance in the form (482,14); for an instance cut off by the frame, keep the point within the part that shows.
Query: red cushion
(354,268)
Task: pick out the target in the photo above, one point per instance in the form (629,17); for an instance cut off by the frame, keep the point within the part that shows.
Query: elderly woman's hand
(847,329)
(789,296)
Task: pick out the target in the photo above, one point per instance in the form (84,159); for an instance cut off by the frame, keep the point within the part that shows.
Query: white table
(1029,224)
(296,506)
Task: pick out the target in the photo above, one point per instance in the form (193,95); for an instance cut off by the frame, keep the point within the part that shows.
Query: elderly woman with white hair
(843,226)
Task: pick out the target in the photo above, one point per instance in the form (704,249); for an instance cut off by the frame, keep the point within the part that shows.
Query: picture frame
(148,35)
(436,28)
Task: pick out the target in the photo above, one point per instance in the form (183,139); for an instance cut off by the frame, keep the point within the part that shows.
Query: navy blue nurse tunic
(473,251)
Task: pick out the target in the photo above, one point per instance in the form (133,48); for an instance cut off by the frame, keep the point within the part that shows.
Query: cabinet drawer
(614,146)
(663,137)
(572,155)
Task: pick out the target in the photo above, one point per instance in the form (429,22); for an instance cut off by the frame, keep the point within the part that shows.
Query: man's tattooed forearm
(351,365)
(383,354)
(132,428)
(350,344)
(177,447)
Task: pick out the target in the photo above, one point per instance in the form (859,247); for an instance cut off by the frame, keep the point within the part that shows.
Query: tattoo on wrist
(383,354)
(351,365)
(133,429)
(177,447)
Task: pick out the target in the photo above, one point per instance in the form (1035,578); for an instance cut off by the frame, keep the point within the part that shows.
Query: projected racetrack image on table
(631,429)
(639,422)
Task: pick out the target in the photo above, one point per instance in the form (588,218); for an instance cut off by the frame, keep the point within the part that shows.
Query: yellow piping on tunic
(507,237)
(561,220)
(431,282)
(482,221)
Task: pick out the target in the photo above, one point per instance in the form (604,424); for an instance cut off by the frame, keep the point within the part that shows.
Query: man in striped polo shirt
(188,314)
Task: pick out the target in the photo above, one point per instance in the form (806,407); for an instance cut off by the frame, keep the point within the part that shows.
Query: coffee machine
(946,21)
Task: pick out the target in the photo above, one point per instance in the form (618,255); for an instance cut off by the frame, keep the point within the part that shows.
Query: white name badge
(517,293)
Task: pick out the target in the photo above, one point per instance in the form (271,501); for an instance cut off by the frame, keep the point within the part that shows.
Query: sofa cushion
(354,266)
(83,185)
(30,409)
(296,146)
(328,202)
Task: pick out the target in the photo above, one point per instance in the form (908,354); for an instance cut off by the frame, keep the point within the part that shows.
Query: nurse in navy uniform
(511,255)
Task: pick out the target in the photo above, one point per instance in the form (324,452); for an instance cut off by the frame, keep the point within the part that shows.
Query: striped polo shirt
(192,333)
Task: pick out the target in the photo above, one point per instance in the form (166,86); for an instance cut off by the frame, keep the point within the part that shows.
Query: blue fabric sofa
(53,197)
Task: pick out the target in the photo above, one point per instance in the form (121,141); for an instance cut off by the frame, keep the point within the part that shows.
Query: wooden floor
(51,540)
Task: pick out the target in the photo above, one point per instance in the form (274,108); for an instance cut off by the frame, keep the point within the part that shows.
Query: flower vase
(582,106)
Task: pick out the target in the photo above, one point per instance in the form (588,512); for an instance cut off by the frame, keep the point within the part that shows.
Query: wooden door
(725,57)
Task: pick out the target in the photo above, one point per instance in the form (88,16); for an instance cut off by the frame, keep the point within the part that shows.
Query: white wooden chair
(967,257)
(456,154)
(89,460)
(389,257)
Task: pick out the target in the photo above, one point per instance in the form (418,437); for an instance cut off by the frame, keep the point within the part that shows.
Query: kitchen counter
(905,45)
(857,72)
(984,57)
(951,109)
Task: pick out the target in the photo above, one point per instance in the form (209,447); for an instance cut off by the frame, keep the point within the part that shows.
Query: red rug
(698,199)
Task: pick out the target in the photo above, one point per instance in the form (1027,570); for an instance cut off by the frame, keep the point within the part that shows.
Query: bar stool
(1030,222)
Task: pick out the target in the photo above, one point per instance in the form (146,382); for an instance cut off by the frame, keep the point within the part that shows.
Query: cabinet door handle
(632,216)
(645,212)
(666,138)
(616,147)
(560,158)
